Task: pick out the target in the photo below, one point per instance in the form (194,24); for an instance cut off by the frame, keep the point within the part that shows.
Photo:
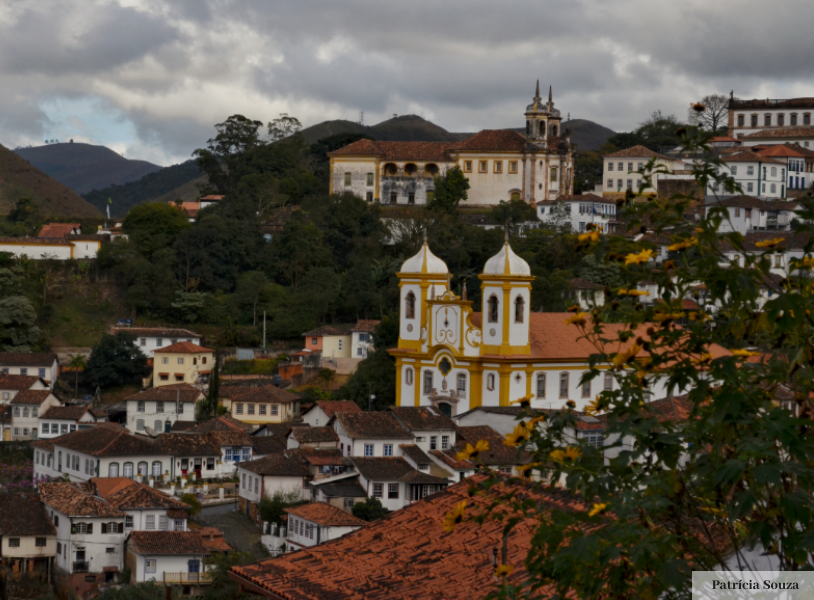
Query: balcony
(182,578)
(81,566)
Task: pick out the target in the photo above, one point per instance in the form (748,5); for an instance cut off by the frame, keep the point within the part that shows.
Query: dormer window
(493,308)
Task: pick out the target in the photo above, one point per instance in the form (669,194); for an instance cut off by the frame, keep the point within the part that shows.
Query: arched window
(409,306)
(445,408)
(493,308)
(554,130)
(490,381)
(113,469)
(408,376)
(514,196)
(528,128)
(553,173)
(519,309)
(128,469)
(156,468)
(563,385)
(142,468)
(541,385)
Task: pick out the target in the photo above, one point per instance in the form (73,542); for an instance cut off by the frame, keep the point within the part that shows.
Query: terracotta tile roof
(222,423)
(106,439)
(212,198)
(186,444)
(752,202)
(407,555)
(382,468)
(416,454)
(342,488)
(139,496)
(269,444)
(278,465)
(372,425)
(183,348)
(424,151)
(791,240)
(737,104)
(58,230)
(498,455)
(639,152)
(331,407)
(745,155)
(229,438)
(420,477)
(67,413)
(317,457)
(36,241)
(268,394)
(191,208)
(17,382)
(213,539)
(178,426)
(366,325)
(422,418)
(233,391)
(34,397)
(781,132)
(167,543)
(27,359)
(492,140)
(46,445)
(325,514)
(74,500)
(105,486)
(162,332)
(168,393)
(312,435)
(780,150)
(23,514)
(577,198)
(676,408)
(329,330)
(453,462)
(272,430)
(578,283)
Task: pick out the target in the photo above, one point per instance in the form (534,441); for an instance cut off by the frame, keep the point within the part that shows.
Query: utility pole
(264,332)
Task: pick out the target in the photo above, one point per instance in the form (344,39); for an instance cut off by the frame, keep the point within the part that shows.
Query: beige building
(499,164)
(260,406)
(623,170)
(28,540)
(183,362)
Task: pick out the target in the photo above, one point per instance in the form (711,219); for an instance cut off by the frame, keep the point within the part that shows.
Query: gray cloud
(173,69)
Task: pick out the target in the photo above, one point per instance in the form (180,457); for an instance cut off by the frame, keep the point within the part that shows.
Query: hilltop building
(500,164)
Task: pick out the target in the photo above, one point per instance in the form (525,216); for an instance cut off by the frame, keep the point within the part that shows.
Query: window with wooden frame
(483,166)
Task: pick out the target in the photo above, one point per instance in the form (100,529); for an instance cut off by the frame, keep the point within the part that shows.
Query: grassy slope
(18,179)
(81,313)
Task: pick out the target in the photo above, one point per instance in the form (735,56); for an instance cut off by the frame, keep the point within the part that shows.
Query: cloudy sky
(149,78)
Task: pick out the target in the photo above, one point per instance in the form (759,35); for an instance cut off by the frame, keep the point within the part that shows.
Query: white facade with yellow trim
(455,359)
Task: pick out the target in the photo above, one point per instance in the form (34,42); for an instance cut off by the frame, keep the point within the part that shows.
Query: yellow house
(259,406)
(183,362)
(334,341)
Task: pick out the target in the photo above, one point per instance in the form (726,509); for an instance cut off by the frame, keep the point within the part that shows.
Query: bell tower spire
(537,91)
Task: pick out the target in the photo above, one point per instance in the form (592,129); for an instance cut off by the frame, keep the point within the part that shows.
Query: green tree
(189,306)
(77,362)
(252,289)
(138,591)
(603,273)
(376,374)
(194,504)
(369,510)
(116,361)
(154,226)
(222,586)
(220,160)
(451,188)
(514,213)
(24,211)
(272,509)
(209,407)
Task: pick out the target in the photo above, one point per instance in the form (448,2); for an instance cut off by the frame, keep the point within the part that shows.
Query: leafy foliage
(451,188)
(116,361)
(272,509)
(369,510)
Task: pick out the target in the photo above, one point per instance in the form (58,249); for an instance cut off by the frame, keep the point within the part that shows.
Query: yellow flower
(526,470)
(683,245)
(535,420)
(770,243)
(597,509)
(623,357)
(519,436)
(660,317)
(472,451)
(806,263)
(633,293)
(704,358)
(594,407)
(570,454)
(699,316)
(641,257)
(525,401)
(577,319)
(504,570)
(591,236)
(744,353)
(455,516)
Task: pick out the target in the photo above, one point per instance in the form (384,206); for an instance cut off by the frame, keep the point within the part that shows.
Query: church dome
(506,262)
(425,262)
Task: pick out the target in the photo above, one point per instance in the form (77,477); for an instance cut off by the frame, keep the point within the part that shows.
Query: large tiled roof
(229,438)
(578,198)
(372,425)
(279,465)
(492,140)
(368,325)
(74,500)
(167,543)
(422,418)
(676,408)
(329,330)
(135,496)
(106,439)
(325,514)
(752,202)
(67,413)
(639,152)
(342,488)
(46,445)
(746,155)
(233,391)
(50,230)
(169,393)
(313,435)
(416,454)
(449,458)
(407,554)
(498,453)
(425,151)
(269,444)
(331,407)
(382,468)
(33,397)
(27,359)
(267,394)
(780,150)
(221,423)
(213,539)
(17,382)
(24,515)
(737,104)
(162,332)
(578,283)
(186,444)
(781,132)
(183,348)
(795,241)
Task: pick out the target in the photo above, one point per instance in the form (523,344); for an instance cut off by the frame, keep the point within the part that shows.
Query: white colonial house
(394,482)
(145,508)
(26,408)
(623,170)
(28,540)
(322,411)
(370,434)
(275,473)
(799,163)
(150,339)
(318,522)
(38,364)
(757,175)
(747,214)
(362,338)
(763,117)
(11,385)
(579,212)
(586,294)
(167,557)
(90,532)
(59,420)
(154,410)
(75,247)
